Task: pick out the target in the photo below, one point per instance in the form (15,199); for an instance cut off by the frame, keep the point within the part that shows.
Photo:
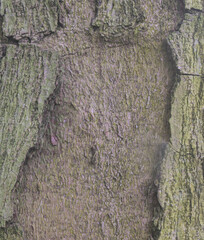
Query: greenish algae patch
(181,193)
(28,18)
(27,78)
(194,4)
(116,18)
(186,44)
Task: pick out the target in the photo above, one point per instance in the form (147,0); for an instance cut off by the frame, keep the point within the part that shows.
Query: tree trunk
(87,91)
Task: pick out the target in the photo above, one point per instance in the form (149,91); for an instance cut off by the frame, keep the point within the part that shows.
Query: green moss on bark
(116,19)
(27,78)
(181,185)
(29,18)
(181,193)
(187,44)
(194,4)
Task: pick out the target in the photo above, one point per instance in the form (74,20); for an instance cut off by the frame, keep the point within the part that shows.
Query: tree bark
(181,192)
(87,91)
(27,78)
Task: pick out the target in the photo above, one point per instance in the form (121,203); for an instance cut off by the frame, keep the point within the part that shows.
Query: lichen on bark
(194,4)
(180,192)
(28,19)
(187,44)
(117,19)
(27,78)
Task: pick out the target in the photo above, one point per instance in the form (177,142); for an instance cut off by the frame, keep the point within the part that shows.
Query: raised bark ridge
(28,19)
(194,4)
(180,193)
(27,78)
(117,18)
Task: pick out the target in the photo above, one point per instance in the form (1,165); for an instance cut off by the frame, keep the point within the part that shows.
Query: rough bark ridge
(181,193)
(117,19)
(27,77)
(24,19)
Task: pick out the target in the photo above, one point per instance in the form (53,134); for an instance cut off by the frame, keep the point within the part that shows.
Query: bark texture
(117,19)
(181,192)
(103,131)
(28,19)
(27,79)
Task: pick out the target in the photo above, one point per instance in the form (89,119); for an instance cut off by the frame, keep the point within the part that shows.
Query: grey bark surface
(96,79)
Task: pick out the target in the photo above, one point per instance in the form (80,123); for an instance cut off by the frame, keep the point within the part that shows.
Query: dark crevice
(193,10)
(97,5)
(48,34)
(9,40)
(189,74)
(2,51)
(59,22)
(6,39)
(95,28)
(30,154)
(25,40)
(167,52)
